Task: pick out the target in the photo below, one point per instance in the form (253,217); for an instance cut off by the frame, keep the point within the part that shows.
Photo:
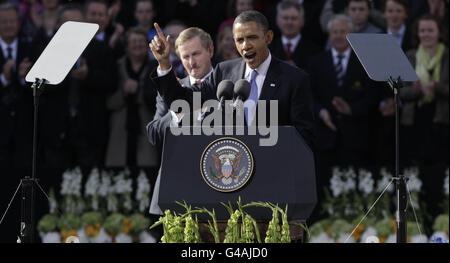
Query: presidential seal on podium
(226,164)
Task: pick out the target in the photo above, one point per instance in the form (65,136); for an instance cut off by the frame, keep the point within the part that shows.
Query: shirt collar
(400,32)
(346,53)
(100,36)
(262,69)
(294,41)
(192,80)
(5,46)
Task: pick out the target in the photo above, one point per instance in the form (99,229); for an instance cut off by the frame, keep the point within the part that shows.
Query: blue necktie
(250,108)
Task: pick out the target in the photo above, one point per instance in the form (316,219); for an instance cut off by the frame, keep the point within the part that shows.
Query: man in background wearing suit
(292,46)
(15,116)
(343,97)
(270,78)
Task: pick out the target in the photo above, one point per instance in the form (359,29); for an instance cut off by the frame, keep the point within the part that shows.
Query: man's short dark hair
(284,5)
(69,7)
(9,6)
(253,16)
(143,1)
(88,2)
(403,3)
(368,2)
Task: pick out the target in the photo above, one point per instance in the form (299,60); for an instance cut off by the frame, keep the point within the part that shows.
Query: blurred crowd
(97,116)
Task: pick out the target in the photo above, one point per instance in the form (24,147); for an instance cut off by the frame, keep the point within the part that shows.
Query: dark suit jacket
(304,50)
(16,109)
(287,84)
(156,129)
(357,90)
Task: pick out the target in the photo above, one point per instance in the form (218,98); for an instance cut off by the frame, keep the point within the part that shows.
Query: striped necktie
(249,109)
(340,70)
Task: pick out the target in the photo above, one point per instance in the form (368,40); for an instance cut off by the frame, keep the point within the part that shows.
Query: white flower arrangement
(349,180)
(414,183)
(71,189)
(322,238)
(419,239)
(102,237)
(71,184)
(124,186)
(391,239)
(52,203)
(336,183)
(82,237)
(143,192)
(342,182)
(343,238)
(370,231)
(366,182)
(385,179)
(107,190)
(146,237)
(91,190)
(51,237)
(123,238)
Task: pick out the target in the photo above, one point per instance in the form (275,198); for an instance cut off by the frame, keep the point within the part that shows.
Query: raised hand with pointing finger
(160,47)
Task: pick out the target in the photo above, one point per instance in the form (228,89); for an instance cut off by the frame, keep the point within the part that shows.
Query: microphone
(241,91)
(224,92)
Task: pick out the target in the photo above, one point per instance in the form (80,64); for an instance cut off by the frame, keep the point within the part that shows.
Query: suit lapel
(185,82)
(329,63)
(350,69)
(238,71)
(271,83)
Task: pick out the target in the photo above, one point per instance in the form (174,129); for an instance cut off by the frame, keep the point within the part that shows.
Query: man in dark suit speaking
(270,78)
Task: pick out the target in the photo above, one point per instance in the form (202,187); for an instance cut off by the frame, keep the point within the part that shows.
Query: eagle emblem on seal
(226,164)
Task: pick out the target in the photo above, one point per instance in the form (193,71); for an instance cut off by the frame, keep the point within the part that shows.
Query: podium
(283,174)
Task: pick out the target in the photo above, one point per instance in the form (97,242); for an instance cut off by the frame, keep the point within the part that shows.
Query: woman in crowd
(235,7)
(130,113)
(425,111)
(225,47)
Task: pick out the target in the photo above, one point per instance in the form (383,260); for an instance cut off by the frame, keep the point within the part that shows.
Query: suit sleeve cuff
(3,80)
(162,73)
(176,119)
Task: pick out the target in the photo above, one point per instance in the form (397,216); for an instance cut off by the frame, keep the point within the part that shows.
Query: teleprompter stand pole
(400,179)
(27,220)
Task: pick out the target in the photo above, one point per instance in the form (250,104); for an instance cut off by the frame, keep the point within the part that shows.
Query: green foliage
(139,223)
(91,218)
(114,224)
(69,222)
(48,224)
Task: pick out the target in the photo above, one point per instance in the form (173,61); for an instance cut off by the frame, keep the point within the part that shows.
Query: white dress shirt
(399,36)
(262,73)
(14,46)
(294,42)
(345,59)
(176,118)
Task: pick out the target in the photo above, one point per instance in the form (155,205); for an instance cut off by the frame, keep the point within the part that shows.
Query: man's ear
(211,51)
(269,37)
